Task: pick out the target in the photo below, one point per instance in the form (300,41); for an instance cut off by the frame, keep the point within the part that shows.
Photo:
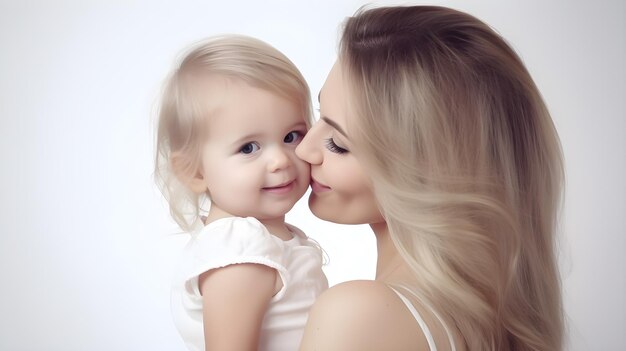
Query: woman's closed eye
(332,147)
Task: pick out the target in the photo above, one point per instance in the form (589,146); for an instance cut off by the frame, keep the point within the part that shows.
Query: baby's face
(249,161)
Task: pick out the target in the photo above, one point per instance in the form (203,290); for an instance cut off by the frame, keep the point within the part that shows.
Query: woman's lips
(318,187)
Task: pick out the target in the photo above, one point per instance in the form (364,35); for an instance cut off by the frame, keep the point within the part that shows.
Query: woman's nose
(309,148)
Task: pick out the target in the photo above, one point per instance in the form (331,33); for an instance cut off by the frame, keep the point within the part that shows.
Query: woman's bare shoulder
(361,315)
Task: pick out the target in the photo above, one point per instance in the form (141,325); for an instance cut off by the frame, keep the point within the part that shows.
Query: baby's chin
(276,212)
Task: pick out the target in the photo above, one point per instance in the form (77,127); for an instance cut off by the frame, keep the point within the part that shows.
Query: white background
(86,250)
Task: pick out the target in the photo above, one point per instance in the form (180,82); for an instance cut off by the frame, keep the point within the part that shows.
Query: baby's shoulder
(235,235)
(233,226)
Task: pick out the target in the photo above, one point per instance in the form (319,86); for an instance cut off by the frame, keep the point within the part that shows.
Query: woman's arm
(361,316)
(234,301)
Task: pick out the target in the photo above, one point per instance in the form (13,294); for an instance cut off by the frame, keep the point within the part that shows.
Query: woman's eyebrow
(330,121)
(334,125)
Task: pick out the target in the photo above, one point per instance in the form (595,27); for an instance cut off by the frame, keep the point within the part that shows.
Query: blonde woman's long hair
(466,165)
(185,106)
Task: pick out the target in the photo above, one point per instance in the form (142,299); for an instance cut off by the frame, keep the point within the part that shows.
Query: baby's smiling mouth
(281,188)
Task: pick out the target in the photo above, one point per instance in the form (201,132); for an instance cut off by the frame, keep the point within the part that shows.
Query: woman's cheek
(354,194)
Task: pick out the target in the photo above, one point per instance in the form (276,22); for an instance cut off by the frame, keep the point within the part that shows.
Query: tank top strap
(420,321)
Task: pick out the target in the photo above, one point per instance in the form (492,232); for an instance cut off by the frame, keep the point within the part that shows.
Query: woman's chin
(342,213)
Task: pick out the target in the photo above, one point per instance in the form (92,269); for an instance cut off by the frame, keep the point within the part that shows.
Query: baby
(232,113)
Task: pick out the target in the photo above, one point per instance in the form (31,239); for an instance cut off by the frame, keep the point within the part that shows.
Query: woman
(433,132)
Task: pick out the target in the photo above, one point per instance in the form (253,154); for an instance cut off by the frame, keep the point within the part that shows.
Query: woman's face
(341,192)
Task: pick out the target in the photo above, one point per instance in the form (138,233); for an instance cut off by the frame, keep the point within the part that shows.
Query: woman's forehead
(333,98)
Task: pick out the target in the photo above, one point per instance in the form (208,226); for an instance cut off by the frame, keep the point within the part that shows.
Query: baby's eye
(249,148)
(293,137)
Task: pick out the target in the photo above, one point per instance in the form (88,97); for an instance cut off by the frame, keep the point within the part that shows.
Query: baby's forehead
(233,108)
(215,90)
(213,95)
(212,87)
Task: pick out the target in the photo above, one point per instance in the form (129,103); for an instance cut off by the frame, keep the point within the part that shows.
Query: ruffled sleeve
(234,240)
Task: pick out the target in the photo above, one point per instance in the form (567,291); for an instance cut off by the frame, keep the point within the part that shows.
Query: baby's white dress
(235,240)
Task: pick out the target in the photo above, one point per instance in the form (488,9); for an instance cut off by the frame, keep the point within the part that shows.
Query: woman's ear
(188,173)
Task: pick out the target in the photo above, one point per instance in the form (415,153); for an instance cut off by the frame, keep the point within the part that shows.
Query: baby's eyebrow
(299,124)
(246,138)
(334,125)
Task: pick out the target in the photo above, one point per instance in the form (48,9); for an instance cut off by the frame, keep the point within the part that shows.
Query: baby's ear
(187,172)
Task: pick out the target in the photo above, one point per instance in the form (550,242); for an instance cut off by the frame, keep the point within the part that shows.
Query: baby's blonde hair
(180,130)
(466,166)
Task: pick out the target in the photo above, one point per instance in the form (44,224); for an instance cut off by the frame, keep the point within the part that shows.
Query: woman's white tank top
(420,320)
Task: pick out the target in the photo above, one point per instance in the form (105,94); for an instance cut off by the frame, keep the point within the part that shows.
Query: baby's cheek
(305,169)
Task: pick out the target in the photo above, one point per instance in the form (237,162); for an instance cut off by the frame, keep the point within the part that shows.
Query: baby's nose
(279,160)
